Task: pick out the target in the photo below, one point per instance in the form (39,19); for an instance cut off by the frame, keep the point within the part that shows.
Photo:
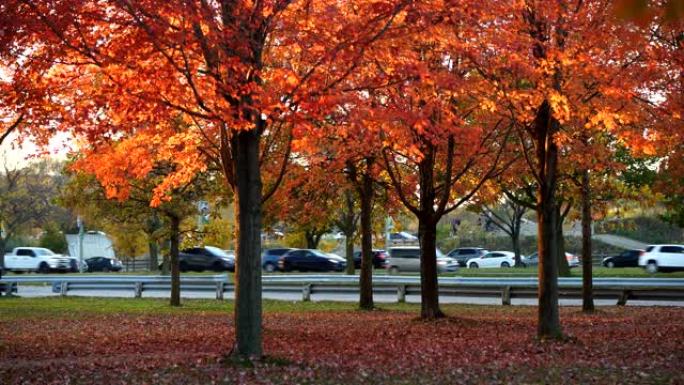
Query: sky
(14,156)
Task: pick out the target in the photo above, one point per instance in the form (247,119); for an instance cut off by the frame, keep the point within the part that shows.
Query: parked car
(533,260)
(206,258)
(270,257)
(628,258)
(662,258)
(492,259)
(463,254)
(310,260)
(407,259)
(103,264)
(38,259)
(380,258)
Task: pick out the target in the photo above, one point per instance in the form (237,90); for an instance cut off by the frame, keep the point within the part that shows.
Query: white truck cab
(38,259)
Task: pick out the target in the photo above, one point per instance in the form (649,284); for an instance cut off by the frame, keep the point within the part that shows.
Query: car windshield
(440,254)
(319,253)
(218,252)
(44,252)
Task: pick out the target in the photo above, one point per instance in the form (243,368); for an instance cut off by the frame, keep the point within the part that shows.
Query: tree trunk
(313,238)
(154,255)
(427,235)
(515,238)
(2,255)
(563,266)
(175,270)
(349,229)
(248,317)
(429,290)
(587,285)
(547,161)
(366,276)
(349,253)
(166,265)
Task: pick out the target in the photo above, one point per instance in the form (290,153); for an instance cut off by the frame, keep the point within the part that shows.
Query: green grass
(74,307)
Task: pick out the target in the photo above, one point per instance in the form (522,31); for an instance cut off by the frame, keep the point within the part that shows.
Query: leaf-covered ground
(82,341)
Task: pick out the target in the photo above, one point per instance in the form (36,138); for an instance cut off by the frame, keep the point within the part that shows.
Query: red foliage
(483,345)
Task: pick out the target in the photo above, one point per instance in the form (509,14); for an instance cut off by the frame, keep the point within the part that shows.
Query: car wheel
(473,265)
(105,269)
(505,264)
(43,268)
(610,264)
(269,268)
(394,270)
(652,267)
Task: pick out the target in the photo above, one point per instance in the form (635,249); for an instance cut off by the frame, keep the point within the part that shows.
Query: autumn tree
(574,67)
(26,200)
(216,67)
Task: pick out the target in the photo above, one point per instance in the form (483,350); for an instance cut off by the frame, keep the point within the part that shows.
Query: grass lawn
(115,341)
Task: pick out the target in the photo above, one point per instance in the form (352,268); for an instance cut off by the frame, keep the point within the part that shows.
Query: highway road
(46,291)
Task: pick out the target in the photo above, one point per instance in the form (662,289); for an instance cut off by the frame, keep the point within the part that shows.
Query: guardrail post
(63,287)
(138,289)
(220,287)
(622,300)
(306,293)
(506,296)
(401,293)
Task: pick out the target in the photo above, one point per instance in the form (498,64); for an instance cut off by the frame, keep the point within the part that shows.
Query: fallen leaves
(475,345)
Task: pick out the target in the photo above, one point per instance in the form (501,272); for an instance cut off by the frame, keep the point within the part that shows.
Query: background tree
(26,200)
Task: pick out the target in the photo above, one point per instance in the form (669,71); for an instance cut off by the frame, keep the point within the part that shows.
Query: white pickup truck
(38,259)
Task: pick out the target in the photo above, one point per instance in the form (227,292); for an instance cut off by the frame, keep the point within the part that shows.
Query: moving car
(407,259)
(533,260)
(39,259)
(403,237)
(628,258)
(463,254)
(103,264)
(206,258)
(310,260)
(492,259)
(380,258)
(662,258)
(270,257)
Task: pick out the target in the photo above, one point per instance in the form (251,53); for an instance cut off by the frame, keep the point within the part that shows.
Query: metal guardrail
(620,289)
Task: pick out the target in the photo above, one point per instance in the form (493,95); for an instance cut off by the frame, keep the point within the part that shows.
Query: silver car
(407,259)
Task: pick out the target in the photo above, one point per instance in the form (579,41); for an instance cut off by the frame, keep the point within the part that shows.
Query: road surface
(46,291)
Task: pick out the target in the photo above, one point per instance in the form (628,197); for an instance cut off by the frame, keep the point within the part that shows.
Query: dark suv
(206,258)
(463,254)
(270,257)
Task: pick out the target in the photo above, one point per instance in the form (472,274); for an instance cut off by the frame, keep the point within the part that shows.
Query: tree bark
(175,269)
(427,235)
(547,159)
(2,255)
(515,238)
(349,254)
(366,275)
(563,266)
(248,309)
(349,229)
(154,255)
(429,291)
(587,285)
(313,238)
